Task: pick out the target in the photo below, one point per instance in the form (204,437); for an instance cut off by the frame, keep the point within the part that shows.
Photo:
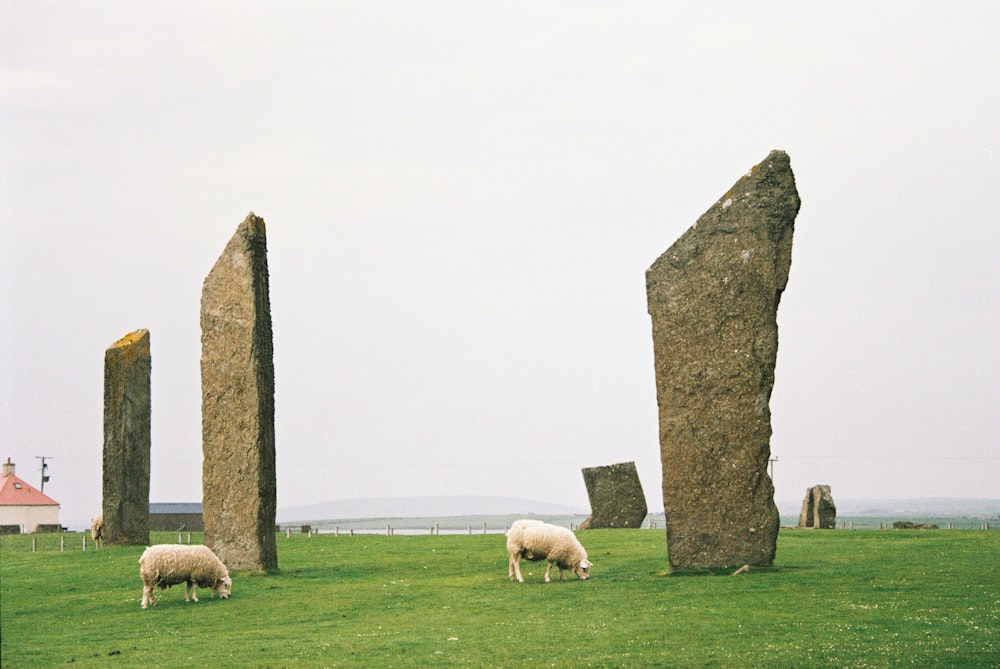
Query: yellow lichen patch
(131,347)
(131,338)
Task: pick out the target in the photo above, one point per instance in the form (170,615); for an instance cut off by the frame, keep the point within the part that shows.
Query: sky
(461,201)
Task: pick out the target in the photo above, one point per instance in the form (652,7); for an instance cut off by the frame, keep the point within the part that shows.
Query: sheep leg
(148,595)
(548,570)
(190,589)
(514,568)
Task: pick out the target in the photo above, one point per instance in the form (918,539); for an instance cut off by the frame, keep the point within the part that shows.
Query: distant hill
(926,507)
(422,507)
(472,505)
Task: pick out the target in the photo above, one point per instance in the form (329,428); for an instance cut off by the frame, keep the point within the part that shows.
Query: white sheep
(165,565)
(97,529)
(535,540)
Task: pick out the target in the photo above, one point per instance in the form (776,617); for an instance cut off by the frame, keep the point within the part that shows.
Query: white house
(23,506)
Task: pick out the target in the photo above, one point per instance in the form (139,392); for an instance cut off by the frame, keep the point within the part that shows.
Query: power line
(893,457)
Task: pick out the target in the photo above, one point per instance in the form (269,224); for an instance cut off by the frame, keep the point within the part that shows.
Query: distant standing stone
(616,497)
(237,382)
(713,299)
(127,440)
(818,509)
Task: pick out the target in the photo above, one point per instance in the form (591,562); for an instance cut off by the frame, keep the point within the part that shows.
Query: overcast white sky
(461,201)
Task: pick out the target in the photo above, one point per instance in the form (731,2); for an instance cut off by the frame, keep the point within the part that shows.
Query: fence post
(484,528)
(437,529)
(34,546)
(84,542)
(62,544)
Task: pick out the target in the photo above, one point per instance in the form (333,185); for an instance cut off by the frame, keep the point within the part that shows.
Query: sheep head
(222,587)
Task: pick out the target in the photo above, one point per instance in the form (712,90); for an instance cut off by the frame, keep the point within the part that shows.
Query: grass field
(839,599)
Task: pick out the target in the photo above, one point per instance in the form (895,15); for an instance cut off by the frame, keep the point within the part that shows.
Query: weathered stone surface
(127,440)
(713,299)
(818,509)
(616,497)
(237,382)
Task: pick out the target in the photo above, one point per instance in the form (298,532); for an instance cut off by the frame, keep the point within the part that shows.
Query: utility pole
(45,468)
(771,462)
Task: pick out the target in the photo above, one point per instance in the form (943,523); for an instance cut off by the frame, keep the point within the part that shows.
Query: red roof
(15,492)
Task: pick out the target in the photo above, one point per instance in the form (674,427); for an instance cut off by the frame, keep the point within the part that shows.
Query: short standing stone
(616,497)
(713,299)
(127,405)
(237,382)
(818,509)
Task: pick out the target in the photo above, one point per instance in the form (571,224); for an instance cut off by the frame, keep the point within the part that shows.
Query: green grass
(843,599)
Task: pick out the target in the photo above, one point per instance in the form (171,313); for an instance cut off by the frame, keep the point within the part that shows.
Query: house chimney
(8,468)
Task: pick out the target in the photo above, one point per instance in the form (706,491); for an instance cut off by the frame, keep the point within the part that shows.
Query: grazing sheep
(535,540)
(165,565)
(97,529)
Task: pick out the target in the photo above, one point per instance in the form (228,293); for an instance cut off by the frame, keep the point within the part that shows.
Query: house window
(17,485)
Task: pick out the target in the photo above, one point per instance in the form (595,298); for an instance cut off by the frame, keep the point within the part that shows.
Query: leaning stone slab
(616,497)
(127,440)
(713,299)
(818,509)
(237,412)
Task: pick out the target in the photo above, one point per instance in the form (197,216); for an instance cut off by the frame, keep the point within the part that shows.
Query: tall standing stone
(127,440)
(616,497)
(818,509)
(713,299)
(237,412)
